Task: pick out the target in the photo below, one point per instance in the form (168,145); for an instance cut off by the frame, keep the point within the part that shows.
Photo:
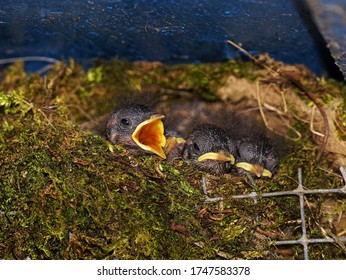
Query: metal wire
(300,191)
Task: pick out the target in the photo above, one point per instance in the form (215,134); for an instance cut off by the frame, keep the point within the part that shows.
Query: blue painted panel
(169,31)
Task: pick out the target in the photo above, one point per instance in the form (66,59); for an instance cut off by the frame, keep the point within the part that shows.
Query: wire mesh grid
(301,192)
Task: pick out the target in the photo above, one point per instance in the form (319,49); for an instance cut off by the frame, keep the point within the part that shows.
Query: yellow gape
(220,156)
(256,169)
(149,136)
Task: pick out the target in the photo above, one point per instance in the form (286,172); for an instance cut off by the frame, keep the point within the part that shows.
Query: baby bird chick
(256,154)
(138,127)
(254,149)
(208,148)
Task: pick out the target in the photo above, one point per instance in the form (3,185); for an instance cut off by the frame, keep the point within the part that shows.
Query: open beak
(256,169)
(149,135)
(220,156)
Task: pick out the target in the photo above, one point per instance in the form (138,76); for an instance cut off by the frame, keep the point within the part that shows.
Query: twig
(253,57)
(320,108)
(298,85)
(260,105)
(277,111)
(272,108)
(312,123)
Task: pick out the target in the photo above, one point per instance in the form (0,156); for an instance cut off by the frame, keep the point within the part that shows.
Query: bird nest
(66,193)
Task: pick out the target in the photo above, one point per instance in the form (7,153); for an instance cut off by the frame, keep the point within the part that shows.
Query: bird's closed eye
(125,122)
(237,152)
(195,146)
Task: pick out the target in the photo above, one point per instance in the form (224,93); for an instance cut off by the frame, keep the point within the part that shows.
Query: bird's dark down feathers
(206,138)
(123,122)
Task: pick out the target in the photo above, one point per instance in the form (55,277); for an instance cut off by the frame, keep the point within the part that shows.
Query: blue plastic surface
(168,31)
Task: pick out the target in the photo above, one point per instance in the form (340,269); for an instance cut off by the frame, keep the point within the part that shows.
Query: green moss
(67,194)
